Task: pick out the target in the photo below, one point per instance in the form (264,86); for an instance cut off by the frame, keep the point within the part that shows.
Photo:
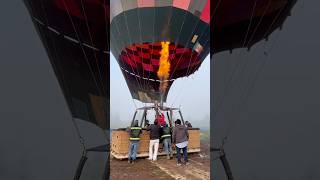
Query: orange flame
(164,66)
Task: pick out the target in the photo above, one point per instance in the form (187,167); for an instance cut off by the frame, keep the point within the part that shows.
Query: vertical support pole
(134,117)
(169,119)
(143,116)
(181,117)
(144,119)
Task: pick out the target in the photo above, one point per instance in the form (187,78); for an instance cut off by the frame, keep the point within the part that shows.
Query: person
(188,124)
(160,119)
(147,124)
(154,140)
(135,132)
(166,139)
(180,137)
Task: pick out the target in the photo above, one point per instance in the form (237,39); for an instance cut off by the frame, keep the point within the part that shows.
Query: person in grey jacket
(180,137)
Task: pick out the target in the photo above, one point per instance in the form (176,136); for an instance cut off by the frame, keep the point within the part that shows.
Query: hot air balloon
(158,41)
(75,34)
(242,24)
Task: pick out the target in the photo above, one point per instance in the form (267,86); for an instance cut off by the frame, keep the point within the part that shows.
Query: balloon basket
(120,143)
(120,137)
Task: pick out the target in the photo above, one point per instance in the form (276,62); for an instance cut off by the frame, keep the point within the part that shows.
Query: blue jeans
(185,154)
(167,145)
(133,148)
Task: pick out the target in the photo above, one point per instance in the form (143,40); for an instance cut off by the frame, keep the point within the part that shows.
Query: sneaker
(132,162)
(129,161)
(179,164)
(168,157)
(187,163)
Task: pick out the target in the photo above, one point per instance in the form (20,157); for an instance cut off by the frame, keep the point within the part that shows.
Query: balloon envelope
(239,24)
(76,37)
(137,29)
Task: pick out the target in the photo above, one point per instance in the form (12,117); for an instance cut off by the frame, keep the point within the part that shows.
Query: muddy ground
(198,169)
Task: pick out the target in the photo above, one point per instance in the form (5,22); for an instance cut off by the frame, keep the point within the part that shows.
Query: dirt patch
(143,168)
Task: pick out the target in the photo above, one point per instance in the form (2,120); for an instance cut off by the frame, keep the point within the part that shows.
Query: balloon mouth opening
(141,67)
(146,62)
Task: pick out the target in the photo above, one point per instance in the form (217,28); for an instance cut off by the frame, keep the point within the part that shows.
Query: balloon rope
(176,45)
(213,14)
(130,41)
(154,16)
(124,73)
(97,61)
(251,85)
(182,87)
(255,77)
(191,35)
(138,14)
(257,27)
(233,72)
(189,64)
(229,127)
(176,42)
(126,54)
(58,68)
(94,53)
(218,4)
(84,53)
(107,22)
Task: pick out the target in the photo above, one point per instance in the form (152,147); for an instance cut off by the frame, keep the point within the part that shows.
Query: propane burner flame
(164,66)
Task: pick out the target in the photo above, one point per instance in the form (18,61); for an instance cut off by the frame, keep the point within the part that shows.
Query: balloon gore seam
(68,37)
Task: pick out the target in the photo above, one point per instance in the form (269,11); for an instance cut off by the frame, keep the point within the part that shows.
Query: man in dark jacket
(166,138)
(188,124)
(154,140)
(180,137)
(134,132)
(146,124)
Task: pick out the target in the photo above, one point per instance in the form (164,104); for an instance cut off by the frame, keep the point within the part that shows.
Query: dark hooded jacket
(180,134)
(154,131)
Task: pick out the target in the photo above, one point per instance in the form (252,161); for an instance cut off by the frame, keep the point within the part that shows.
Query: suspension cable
(57,67)
(256,74)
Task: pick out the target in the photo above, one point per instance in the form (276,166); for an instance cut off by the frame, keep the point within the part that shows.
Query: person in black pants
(180,137)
